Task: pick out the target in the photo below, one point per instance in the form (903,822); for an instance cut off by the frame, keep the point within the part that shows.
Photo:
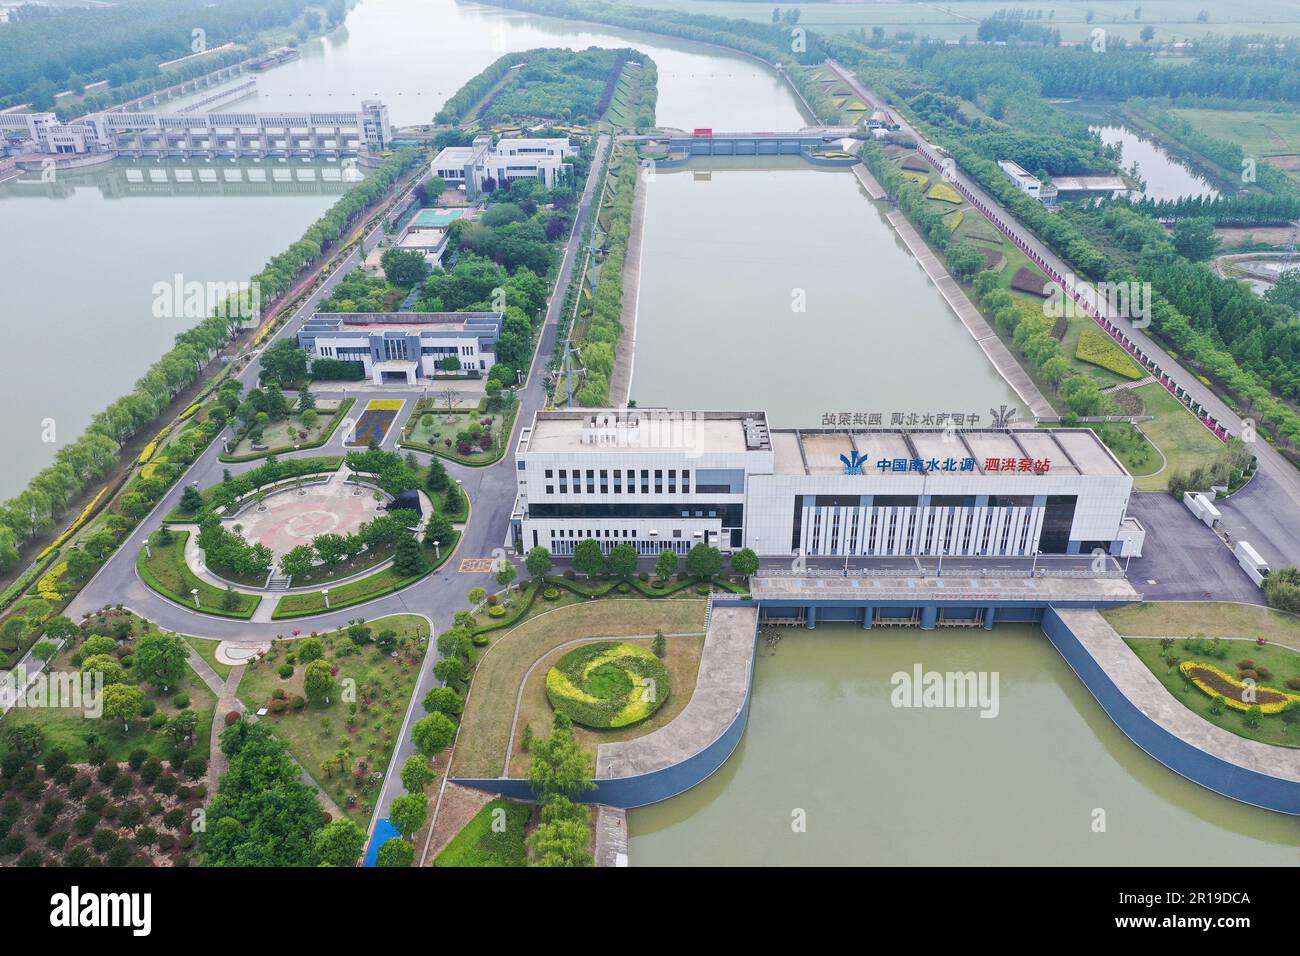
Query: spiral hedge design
(608,684)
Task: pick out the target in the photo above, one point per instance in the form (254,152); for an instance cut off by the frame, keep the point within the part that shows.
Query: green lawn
(479,844)
(291,434)
(1210,618)
(366,729)
(1176,432)
(1282,661)
(356,592)
(69,727)
(1257,132)
(164,569)
(486,723)
(206,648)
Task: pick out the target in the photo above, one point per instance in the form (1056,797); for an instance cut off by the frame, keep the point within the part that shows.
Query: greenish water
(82,256)
(881,785)
(784,288)
(1166,177)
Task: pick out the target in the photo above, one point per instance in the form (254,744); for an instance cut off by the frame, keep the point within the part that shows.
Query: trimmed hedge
(169,561)
(369,588)
(326,435)
(608,684)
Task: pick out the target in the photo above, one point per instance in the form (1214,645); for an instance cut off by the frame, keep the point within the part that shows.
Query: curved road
(491,490)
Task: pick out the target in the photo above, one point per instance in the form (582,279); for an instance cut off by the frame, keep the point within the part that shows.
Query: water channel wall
(1214,773)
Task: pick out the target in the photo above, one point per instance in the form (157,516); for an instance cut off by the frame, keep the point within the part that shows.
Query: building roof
(440,218)
(1032,451)
(647,430)
(364,322)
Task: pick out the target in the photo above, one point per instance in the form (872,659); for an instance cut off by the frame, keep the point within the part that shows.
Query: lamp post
(942,552)
(437,549)
(325,593)
(195,592)
(1033,568)
(148,551)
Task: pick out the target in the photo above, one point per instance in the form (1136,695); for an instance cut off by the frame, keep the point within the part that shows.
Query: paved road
(491,491)
(1286,478)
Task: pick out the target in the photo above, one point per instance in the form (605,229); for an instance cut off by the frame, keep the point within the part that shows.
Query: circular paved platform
(291,518)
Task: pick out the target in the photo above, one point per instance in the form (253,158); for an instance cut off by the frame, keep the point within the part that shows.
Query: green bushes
(608,684)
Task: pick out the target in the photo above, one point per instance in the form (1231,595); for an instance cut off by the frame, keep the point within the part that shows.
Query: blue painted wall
(1239,783)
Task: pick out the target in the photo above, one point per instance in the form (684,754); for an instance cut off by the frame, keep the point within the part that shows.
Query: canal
(790,292)
(878,785)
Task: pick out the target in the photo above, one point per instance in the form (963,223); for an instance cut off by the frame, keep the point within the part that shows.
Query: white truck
(1251,562)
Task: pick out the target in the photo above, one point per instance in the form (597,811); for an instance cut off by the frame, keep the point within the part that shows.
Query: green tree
(404,267)
(417,774)
(1195,238)
(443,700)
(191,500)
(703,562)
(298,561)
(560,766)
(666,565)
(660,645)
(408,557)
(588,559)
(433,734)
(408,813)
(318,681)
(538,562)
(623,560)
(563,838)
(745,562)
(161,659)
(106,665)
(450,670)
(339,843)
(506,574)
(310,649)
(123,702)
(395,852)
(283,363)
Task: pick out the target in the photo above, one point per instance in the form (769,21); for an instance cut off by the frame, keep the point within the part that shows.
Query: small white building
(544,160)
(1022,180)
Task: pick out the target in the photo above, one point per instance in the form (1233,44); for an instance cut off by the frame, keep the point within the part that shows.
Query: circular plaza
(288,517)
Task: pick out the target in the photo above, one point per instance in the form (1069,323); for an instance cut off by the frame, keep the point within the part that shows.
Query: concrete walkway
(227,700)
(720,691)
(611,836)
(1143,688)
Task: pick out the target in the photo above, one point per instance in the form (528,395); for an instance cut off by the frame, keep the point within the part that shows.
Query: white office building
(545,160)
(404,347)
(675,479)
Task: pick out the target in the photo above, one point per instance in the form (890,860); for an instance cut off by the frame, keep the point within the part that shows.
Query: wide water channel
(876,784)
(777,285)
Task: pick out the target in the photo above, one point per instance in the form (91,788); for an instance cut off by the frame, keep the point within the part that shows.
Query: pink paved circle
(290,519)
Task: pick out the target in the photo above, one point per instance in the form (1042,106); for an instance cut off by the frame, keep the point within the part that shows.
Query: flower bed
(375,421)
(608,684)
(1097,348)
(1219,683)
(944,193)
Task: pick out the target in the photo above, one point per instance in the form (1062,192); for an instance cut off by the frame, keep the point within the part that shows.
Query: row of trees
(42,55)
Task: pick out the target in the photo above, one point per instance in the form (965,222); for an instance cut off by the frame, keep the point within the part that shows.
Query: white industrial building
(545,160)
(662,479)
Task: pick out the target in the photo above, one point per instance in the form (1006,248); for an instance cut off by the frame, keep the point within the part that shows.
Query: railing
(1040,572)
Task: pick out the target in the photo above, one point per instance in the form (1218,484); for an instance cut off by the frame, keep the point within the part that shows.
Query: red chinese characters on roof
(1037,466)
